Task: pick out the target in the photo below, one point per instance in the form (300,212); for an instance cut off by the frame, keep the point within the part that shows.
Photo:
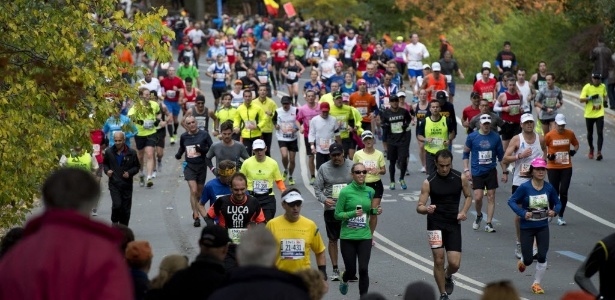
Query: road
(162,216)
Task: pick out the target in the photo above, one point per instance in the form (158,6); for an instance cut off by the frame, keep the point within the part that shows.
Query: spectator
(169,265)
(10,239)
(256,277)
(500,290)
(373,296)
(315,282)
(139,258)
(128,235)
(208,267)
(419,290)
(81,260)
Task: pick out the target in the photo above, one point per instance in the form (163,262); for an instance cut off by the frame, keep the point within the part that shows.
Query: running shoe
(284,175)
(336,275)
(591,154)
(142,180)
(159,166)
(535,254)
(536,289)
(172,140)
(449,284)
(518,250)
(197,222)
(392,186)
(444,296)
(599,157)
(353,279)
(291,181)
(150,183)
(343,286)
(385,154)
(423,170)
(154,174)
(94,212)
(476,224)
(489,228)
(312,180)
(403,185)
(520,266)
(561,222)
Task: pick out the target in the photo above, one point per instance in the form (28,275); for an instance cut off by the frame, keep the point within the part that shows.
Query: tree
(52,77)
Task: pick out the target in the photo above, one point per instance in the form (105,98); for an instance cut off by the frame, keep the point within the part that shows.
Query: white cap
(436,67)
(367,135)
(426,66)
(292,197)
(560,119)
(330,39)
(486,64)
(258,144)
(485,118)
(401,94)
(526,118)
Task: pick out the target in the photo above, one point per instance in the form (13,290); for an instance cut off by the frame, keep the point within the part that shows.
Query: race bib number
(260,186)
(241,74)
(524,170)
(292,75)
(292,249)
(281,53)
(538,201)
(171,94)
(230,52)
(399,55)
(335,190)
(362,111)
(437,142)
(550,102)
(263,79)
(235,234)
(190,105)
(562,158)
(268,54)
(484,157)
(220,76)
(288,130)
(191,152)
(435,238)
(542,84)
(200,123)
(250,124)
(488,96)
(148,124)
(324,143)
(96,149)
(514,110)
(449,78)
(507,63)
(597,103)
(358,222)
(342,124)
(397,127)
(370,164)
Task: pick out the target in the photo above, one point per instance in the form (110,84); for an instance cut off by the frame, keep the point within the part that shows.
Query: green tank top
(438,131)
(81,162)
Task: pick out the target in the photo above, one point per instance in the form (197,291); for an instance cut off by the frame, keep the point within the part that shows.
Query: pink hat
(539,162)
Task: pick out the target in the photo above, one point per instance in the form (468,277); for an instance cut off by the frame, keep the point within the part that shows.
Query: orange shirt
(439,85)
(125,59)
(364,104)
(560,145)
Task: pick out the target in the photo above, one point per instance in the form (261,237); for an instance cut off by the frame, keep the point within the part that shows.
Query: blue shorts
(451,88)
(173,107)
(415,73)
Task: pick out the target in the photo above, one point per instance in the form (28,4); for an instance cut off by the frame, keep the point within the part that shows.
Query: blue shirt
(113,124)
(335,78)
(532,200)
(348,90)
(484,149)
(213,190)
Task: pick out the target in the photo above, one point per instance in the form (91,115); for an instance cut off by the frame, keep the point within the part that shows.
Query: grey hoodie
(328,175)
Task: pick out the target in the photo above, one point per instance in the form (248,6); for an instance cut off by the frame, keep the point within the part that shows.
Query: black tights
(353,250)
(172,128)
(589,123)
(527,244)
(403,166)
(560,180)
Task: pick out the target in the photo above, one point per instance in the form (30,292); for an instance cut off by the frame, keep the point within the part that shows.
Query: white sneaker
(561,222)
(423,170)
(518,250)
(94,212)
(154,174)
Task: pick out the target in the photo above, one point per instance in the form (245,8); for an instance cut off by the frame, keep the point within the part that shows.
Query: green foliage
(52,77)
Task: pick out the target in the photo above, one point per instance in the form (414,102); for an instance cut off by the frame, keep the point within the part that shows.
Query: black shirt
(445,193)
(396,124)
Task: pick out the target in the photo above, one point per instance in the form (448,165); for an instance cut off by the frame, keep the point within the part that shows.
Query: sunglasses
(294,204)
(360,172)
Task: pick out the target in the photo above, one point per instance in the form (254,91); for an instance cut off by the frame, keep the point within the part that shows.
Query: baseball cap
(330,39)
(485,118)
(258,144)
(426,66)
(400,38)
(324,106)
(337,94)
(367,135)
(474,95)
(361,81)
(339,64)
(336,148)
(441,95)
(292,197)
(238,82)
(560,119)
(285,100)
(597,75)
(436,67)
(345,97)
(394,98)
(401,94)
(138,251)
(486,64)
(214,236)
(526,118)
(442,37)
(539,162)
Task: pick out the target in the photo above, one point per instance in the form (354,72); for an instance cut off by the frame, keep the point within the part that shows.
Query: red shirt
(168,84)
(469,113)
(486,90)
(362,58)
(98,139)
(281,55)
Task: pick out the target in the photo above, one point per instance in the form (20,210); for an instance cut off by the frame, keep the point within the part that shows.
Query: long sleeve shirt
(330,179)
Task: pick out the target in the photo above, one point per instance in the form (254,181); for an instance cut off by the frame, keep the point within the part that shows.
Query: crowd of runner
(361,90)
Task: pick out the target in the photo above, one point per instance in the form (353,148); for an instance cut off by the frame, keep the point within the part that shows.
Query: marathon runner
(146,114)
(286,133)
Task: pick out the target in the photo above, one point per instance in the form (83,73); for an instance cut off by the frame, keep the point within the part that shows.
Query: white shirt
(414,54)
(526,92)
(286,121)
(152,85)
(196,36)
(323,133)
(348,45)
(327,67)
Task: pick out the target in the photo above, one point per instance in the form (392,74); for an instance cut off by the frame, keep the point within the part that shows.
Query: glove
(156,122)
(605,104)
(551,156)
(572,152)
(178,156)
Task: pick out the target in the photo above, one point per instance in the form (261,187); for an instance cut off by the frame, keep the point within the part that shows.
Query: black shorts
(366,126)
(197,45)
(308,148)
(146,141)
(451,234)
(292,146)
(378,187)
(395,152)
(333,226)
(547,121)
(509,130)
(348,143)
(195,172)
(489,180)
(162,133)
(278,65)
(218,92)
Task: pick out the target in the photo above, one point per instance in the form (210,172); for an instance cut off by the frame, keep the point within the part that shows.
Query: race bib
(597,103)
(484,157)
(507,63)
(437,142)
(288,130)
(562,158)
(372,90)
(358,222)
(550,102)
(362,110)
(220,76)
(488,96)
(397,127)
(191,152)
(292,75)
(96,149)
(260,186)
(514,110)
(241,74)
(148,124)
(292,249)
(538,201)
(524,170)
(268,54)
(435,238)
(449,78)
(201,122)
(399,55)
(324,143)
(370,164)
(542,84)
(230,52)
(281,53)
(190,105)
(263,79)
(171,94)
(335,190)
(250,124)
(235,234)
